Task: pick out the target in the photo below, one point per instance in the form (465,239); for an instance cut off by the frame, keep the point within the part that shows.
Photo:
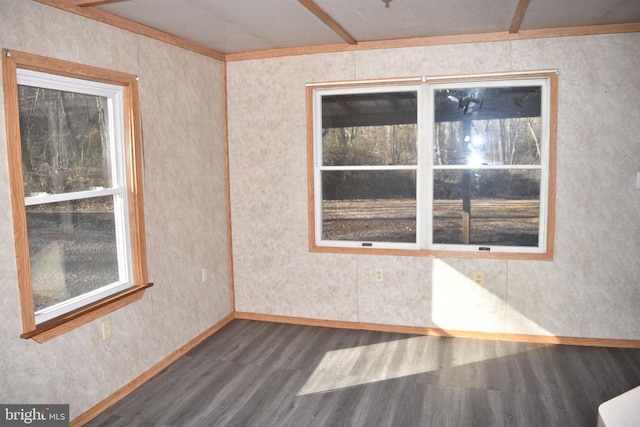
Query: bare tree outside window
(369,187)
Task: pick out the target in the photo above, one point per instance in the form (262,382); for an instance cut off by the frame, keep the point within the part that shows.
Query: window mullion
(369,168)
(425,175)
(487,167)
(66,197)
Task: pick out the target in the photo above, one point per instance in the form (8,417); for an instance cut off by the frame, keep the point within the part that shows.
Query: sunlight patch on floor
(355,366)
(368,364)
(456,303)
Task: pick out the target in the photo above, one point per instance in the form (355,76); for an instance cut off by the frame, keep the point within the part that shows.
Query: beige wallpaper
(592,287)
(185,207)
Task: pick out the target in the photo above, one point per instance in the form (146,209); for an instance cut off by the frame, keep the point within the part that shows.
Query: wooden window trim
(551,173)
(11,61)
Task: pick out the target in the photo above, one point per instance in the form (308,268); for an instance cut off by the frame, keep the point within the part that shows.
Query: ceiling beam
(588,30)
(518,16)
(134,27)
(328,20)
(90,3)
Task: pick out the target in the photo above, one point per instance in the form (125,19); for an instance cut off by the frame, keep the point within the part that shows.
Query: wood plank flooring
(264,374)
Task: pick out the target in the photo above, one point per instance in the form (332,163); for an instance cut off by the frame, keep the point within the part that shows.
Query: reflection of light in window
(475,158)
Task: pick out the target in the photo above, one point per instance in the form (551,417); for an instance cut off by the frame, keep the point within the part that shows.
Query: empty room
(320,213)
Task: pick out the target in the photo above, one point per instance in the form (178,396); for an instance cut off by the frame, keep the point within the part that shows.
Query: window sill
(69,321)
(522,256)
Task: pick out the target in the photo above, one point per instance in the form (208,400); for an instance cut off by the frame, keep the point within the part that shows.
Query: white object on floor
(621,411)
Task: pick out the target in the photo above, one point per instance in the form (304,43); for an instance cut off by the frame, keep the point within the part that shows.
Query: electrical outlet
(478,278)
(379,275)
(106,329)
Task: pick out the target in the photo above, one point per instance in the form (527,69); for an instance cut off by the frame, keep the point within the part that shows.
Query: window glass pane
(490,126)
(502,207)
(376,206)
(72,248)
(369,129)
(64,139)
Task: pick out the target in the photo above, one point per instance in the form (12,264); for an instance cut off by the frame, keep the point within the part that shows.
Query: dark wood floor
(267,374)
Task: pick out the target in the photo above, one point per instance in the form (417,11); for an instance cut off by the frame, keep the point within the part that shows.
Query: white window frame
(543,167)
(425,167)
(126,189)
(319,167)
(118,190)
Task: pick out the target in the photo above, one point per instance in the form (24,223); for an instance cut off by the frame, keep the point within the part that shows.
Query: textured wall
(591,289)
(182,118)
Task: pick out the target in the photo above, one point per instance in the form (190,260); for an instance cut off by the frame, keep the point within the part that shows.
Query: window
(367,167)
(74,154)
(449,167)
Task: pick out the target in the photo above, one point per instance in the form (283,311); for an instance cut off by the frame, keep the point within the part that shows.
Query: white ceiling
(236,26)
